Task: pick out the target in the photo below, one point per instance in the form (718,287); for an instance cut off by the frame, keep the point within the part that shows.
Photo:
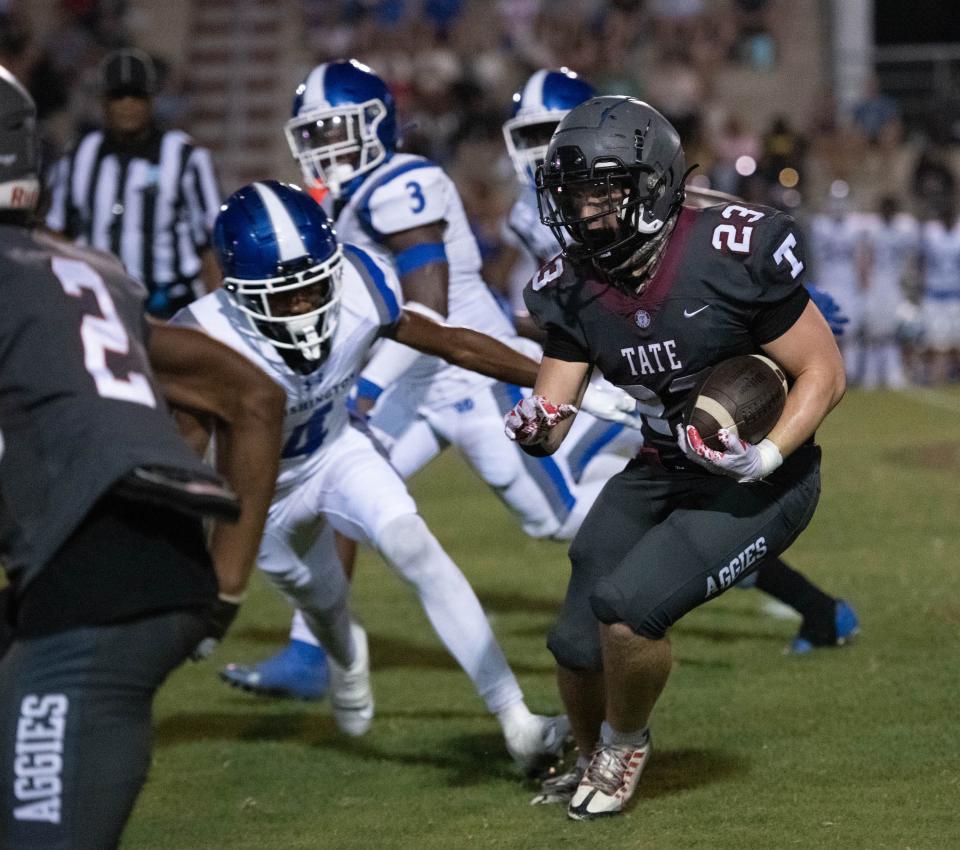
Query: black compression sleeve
(561,346)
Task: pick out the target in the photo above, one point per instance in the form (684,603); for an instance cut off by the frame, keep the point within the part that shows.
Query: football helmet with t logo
(344,124)
(282,265)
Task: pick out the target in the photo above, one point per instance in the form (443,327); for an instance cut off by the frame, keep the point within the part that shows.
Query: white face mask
(303,332)
(335,144)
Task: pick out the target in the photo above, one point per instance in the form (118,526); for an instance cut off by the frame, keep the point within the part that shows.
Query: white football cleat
(536,741)
(609,781)
(350,692)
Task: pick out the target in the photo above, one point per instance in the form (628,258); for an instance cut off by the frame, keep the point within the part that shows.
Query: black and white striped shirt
(153,204)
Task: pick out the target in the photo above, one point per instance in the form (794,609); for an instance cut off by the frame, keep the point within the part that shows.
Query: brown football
(744,394)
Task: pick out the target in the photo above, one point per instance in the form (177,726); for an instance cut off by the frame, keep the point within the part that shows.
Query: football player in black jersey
(111,582)
(654,293)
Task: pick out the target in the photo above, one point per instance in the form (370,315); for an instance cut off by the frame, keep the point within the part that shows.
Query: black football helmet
(19,152)
(613,177)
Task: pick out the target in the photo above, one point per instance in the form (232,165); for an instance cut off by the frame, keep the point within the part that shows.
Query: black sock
(790,587)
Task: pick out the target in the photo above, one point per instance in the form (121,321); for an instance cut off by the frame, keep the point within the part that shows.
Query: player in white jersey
(940,276)
(836,240)
(891,241)
(406,211)
(307,310)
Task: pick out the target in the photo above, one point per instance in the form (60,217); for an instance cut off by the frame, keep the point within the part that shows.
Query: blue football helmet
(282,265)
(537,109)
(344,124)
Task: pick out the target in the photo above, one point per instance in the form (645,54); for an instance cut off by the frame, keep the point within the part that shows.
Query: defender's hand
(606,401)
(831,310)
(740,460)
(532,418)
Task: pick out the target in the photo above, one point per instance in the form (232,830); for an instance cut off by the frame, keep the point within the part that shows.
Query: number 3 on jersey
(102,333)
(418,202)
(551,271)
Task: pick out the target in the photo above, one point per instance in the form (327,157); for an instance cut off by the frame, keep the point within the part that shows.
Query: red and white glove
(532,419)
(740,460)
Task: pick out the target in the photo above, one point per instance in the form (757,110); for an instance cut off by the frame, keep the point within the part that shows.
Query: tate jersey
(730,280)
(79,408)
(940,251)
(316,414)
(406,192)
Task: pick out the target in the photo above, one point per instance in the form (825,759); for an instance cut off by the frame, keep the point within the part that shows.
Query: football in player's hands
(744,395)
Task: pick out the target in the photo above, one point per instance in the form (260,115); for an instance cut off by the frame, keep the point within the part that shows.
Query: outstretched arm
(464,347)
(205,378)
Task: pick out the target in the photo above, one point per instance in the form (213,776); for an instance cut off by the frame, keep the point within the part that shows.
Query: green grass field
(852,748)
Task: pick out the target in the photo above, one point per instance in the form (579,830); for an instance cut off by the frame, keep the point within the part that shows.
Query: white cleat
(535,742)
(350,692)
(609,781)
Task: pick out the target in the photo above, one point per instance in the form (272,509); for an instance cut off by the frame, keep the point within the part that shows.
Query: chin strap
(638,268)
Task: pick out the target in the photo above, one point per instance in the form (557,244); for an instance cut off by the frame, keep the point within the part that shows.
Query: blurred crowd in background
(454,64)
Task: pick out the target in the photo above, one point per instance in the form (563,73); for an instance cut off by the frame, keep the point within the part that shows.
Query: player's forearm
(815,392)
(248,452)
(488,356)
(248,456)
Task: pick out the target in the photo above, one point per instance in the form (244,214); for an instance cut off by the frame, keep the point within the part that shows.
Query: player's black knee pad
(575,651)
(646,619)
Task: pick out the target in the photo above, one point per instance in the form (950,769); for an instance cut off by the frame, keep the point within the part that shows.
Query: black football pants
(75,736)
(657,544)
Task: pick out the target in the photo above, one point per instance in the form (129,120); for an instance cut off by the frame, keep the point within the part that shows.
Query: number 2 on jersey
(102,333)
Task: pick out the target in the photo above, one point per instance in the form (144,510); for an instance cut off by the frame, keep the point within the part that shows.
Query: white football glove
(532,418)
(605,401)
(740,460)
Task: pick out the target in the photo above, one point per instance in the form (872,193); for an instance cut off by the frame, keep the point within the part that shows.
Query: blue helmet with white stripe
(537,109)
(282,265)
(344,124)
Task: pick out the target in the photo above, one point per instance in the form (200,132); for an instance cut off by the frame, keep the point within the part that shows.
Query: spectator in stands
(734,140)
(147,195)
(876,114)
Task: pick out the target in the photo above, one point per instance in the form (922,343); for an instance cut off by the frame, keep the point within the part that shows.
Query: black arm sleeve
(562,346)
(776,319)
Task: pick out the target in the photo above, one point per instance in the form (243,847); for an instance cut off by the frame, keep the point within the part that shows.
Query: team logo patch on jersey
(642,318)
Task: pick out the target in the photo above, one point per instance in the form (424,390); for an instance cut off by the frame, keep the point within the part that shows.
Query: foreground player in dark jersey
(653,293)
(111,582)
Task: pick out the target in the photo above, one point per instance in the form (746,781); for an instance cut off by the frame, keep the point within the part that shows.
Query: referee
(147,195)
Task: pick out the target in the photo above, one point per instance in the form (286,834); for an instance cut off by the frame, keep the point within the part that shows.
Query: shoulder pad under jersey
(766,241)
(400,197)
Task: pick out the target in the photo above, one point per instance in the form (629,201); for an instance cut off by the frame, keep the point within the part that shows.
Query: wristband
(770,457)
(232,598)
